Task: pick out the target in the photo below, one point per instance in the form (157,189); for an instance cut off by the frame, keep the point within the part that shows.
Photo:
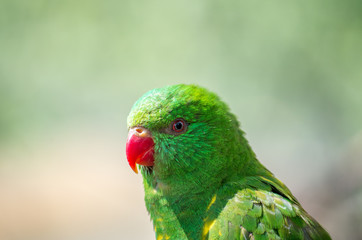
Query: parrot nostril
(141,132)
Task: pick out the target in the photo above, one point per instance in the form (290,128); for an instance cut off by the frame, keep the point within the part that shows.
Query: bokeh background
(71,70)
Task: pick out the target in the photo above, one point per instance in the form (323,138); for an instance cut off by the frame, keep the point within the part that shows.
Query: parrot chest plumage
(175,217)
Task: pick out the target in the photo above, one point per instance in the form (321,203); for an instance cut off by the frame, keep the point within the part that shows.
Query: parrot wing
(259,214)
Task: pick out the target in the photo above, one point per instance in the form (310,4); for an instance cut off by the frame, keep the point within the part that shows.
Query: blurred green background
(71,70)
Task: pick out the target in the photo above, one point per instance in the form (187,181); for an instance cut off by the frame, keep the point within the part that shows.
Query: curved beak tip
(134,168)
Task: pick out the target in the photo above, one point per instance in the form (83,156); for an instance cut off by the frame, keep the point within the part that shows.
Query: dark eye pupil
(179,125)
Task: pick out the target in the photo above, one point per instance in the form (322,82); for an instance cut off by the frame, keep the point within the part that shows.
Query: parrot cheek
(139,148)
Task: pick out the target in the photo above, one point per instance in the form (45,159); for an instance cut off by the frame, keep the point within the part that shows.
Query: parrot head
(182,133)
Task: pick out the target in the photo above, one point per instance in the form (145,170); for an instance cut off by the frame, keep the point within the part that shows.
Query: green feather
(206,183)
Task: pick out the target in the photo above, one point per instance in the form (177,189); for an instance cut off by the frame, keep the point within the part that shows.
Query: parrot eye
(179,126)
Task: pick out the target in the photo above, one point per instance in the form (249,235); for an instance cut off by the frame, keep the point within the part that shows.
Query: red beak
(139,148)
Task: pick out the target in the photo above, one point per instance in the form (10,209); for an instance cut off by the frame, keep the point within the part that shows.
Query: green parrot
(201,178)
